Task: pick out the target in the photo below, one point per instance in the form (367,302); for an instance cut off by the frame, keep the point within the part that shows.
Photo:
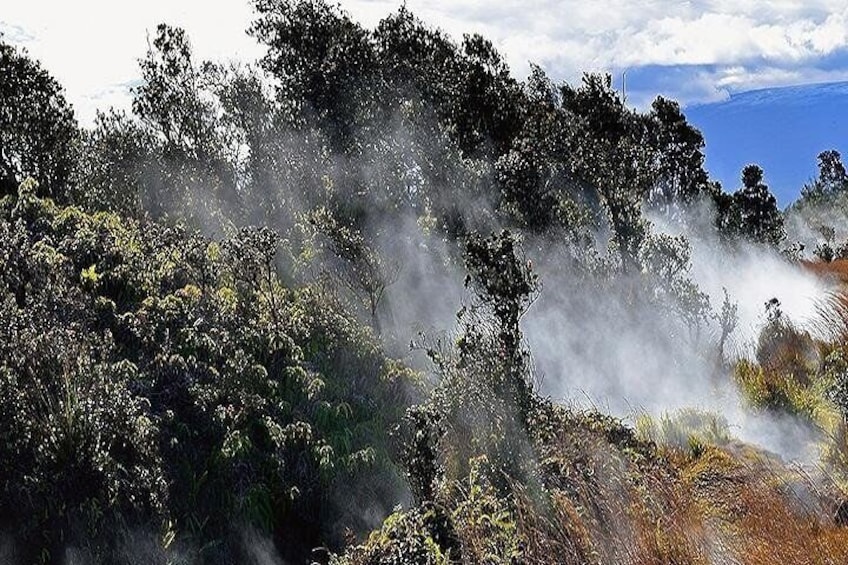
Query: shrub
(147,378)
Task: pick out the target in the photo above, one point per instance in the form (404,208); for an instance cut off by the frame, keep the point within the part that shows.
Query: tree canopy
(38,132)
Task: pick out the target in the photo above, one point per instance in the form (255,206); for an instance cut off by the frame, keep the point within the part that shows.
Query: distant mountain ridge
(781,129)
(785,95)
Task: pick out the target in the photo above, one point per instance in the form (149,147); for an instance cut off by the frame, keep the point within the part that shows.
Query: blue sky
(696,51)
(783,130)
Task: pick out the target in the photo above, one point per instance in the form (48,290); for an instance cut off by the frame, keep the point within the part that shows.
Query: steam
(595,345)
(592,338)
(804,225)
(752,276)
(602,348)
(260,549)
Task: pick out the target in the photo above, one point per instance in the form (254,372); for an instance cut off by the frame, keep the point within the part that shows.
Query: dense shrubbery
(153,374)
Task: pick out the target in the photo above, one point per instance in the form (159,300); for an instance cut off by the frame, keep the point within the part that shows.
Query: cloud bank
(695,51)
(711,48)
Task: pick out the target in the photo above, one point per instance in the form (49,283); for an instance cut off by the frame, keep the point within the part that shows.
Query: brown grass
(767,512)
(609,498)
(603,496)
(612,499)
(771,531)
(836,271)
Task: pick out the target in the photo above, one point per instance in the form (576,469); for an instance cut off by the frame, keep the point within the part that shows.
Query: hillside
(372,300)
(163,320)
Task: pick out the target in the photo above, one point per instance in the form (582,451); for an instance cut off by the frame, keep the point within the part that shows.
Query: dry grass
(604,497)
(731,504)
(560,531)
(836,271)
(832,311)
(772,531)
(832,317)
(610,498)
(767,513)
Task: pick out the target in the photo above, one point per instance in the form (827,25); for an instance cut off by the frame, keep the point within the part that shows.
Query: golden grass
(768,513)
(727,505)
(836,271)
(603,497)
(771,531)
(686,429)
(702,497)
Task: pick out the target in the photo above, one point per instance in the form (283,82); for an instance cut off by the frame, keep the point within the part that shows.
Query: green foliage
(820,209)
(504,282)
(485,521)
(38,132)
(484,400)
(353,264)
(781,392)
(781,347)
(687,429)
(158,379)
(151,374)
(323,60)
(481,528)
(679,161)
(116,165)
(404,538)
(831,181)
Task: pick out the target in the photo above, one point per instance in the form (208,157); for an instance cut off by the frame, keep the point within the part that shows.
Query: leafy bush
(155,375)
(782,348)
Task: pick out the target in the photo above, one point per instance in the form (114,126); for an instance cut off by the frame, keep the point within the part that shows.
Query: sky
(696,51)
(781,129)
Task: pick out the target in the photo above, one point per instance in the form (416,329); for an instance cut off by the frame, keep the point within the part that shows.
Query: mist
(595,343)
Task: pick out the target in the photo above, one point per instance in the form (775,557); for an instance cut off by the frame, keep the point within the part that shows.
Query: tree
(325,64)
(831,180)
(755,212)
(468,86)
(355,264)
(117,164)
(487,114)
(678,153)
(38,131)
(507,286)
(538,189)
(831,170)
(727,320)
(608,153)
(169,100)
(175,104)
(417,62)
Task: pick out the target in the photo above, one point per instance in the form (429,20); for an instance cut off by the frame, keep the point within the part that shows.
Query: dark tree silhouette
(38,132)
(756,215)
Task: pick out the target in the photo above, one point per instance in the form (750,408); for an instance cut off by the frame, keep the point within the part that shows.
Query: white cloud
(744,78)
(92,45)
(783,39)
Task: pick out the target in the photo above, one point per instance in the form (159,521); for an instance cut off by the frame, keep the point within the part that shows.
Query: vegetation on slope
(202,315)
(171,382)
